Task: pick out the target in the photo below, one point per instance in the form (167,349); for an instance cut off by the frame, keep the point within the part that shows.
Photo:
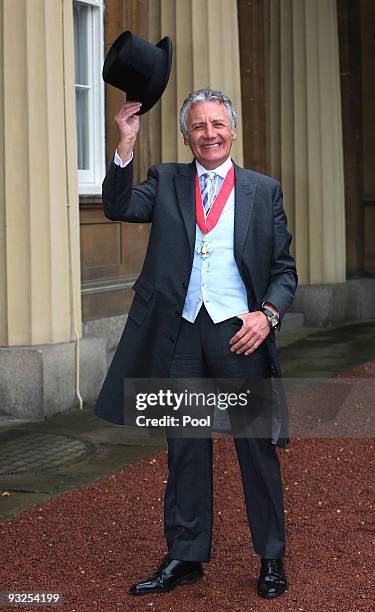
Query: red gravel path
(91,544)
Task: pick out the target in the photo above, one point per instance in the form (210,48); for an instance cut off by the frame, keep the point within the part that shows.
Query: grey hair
(206,95)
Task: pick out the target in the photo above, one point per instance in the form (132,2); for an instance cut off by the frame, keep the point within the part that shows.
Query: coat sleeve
(122,201)
(283,276)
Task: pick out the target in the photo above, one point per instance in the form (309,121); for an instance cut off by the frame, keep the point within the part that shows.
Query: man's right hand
(128,126)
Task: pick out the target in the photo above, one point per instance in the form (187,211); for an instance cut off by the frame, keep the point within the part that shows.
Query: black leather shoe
(169,574)
(272,580)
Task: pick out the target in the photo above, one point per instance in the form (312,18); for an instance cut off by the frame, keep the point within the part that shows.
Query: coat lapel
(244,204)
(185,190)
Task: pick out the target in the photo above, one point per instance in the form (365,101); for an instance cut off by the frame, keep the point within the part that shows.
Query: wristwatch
(273,318)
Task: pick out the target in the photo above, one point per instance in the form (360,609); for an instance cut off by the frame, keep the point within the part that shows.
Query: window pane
(82,110)
(81,19)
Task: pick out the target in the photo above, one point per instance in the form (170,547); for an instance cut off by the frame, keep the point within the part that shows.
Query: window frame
(90,180)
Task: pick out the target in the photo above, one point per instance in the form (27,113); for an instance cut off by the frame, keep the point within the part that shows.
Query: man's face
(210,134)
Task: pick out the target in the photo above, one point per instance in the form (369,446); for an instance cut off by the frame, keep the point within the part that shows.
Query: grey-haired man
(216,282)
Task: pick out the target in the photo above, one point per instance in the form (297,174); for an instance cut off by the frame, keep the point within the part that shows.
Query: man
(216,282)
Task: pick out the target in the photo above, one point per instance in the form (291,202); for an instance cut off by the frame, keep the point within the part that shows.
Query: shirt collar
(221,170)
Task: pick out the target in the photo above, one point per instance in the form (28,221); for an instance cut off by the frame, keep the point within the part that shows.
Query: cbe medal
(204,248)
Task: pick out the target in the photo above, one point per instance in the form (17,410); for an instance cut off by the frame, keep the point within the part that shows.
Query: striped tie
(210,186)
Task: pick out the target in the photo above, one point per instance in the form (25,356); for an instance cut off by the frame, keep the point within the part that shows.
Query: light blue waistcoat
(215,280)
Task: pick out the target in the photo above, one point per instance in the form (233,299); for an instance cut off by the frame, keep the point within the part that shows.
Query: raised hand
(127,122)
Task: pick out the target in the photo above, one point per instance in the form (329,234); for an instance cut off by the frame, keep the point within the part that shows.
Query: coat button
(177,313)
(172,340)
(184,284)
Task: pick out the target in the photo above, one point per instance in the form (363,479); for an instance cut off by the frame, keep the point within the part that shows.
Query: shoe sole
(272,596)
(184,580)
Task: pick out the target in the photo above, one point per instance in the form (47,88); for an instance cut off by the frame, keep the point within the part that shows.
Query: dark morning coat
(261,249)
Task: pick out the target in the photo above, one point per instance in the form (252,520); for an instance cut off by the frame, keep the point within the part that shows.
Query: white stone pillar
(39,252)
(40,306)
(306,133)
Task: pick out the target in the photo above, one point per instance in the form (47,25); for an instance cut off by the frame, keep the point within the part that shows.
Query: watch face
(273,321)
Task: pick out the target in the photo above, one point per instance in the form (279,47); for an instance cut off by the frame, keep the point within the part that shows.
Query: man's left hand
(254,330)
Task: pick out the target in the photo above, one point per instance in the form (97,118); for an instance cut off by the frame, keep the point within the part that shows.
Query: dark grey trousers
(203,350)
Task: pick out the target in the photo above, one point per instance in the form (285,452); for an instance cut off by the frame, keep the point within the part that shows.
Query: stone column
(206,54)
(40,307)
(39,255)
(306,133)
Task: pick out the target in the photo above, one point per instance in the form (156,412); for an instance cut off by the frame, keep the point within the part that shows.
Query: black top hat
(139,68)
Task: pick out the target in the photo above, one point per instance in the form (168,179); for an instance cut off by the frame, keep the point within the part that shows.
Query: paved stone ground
(39,460)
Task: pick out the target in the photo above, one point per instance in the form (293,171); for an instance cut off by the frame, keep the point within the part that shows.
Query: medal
(203,249)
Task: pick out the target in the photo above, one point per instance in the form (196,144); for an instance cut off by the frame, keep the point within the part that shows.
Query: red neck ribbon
(206,225)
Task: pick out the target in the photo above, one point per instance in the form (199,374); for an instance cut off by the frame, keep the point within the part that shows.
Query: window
(89,87)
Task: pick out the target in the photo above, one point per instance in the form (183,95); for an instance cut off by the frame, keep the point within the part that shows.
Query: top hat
(139,68)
